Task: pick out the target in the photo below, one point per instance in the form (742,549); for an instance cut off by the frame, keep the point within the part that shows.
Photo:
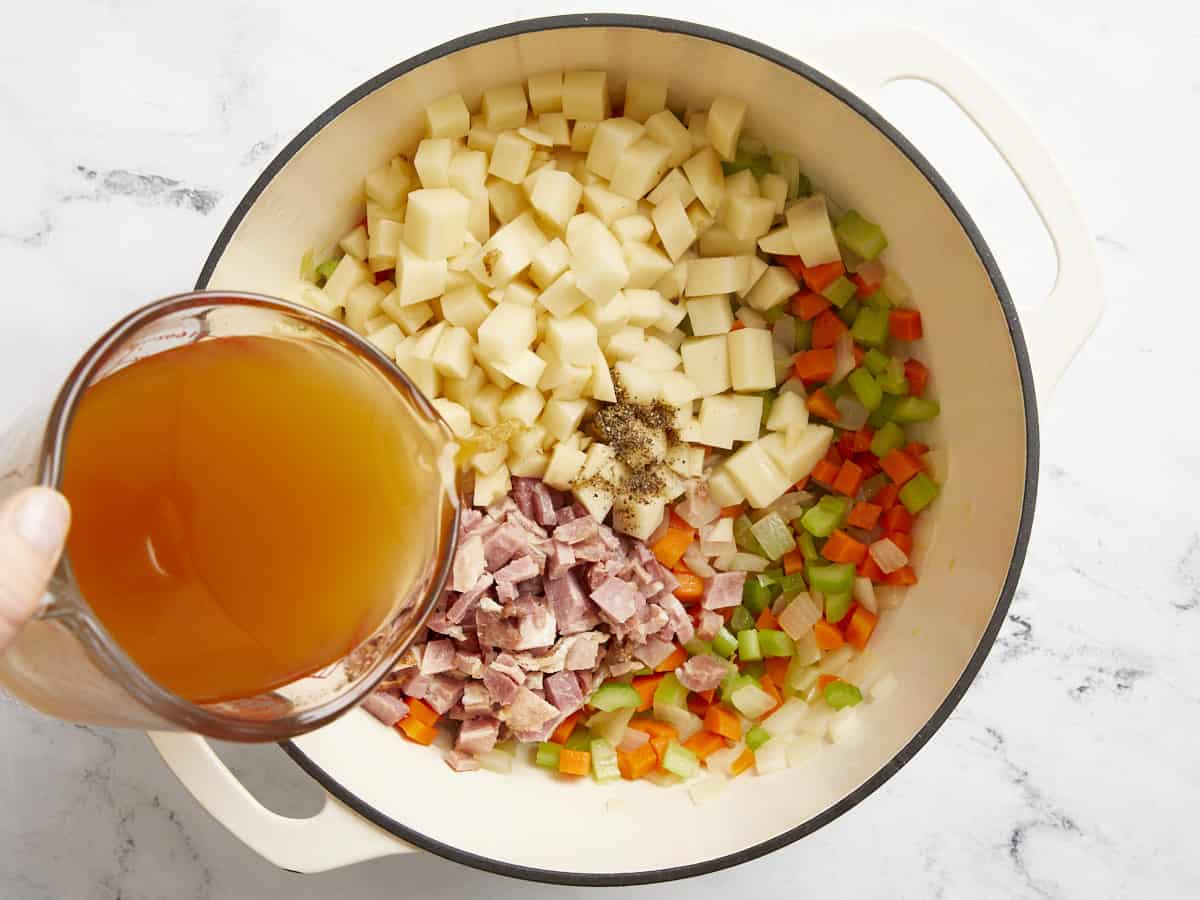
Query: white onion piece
(771,756)
(698,564)
(786,720)
(888,556)
(844,728)
(896,288)
(864,593)
(791,505)
(783,336)
(872,272)
(833,662)
(852,414)
(818,600)
(884,687)
(697,509)
(751,317)
(843,357)
(722,760)
(740,562)
(659,531)
(495,761)
(708,788)
(632,739)
(802,748)
(795,386)
(799,617)
(685,722)
(751,701)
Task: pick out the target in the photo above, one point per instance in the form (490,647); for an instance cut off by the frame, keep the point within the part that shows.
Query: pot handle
(334,837)
(1057,328)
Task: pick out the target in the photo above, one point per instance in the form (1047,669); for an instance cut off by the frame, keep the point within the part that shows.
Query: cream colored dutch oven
(387,796)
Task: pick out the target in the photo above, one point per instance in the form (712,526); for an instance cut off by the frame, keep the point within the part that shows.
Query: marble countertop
(132,128)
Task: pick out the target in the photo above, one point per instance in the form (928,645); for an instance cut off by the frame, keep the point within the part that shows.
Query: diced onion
(896,288)
(843,357)
(817,723)
(864,593)
(884,687)
(835,661)
(706,789)
(771,756)
(632,739)
(795,386)
(888,556)
(658,532)
(751,701)
(786,720)
(697,508)
(799,617)
(802,748)
(791,504)
(698,564)
(722,760)
(752,317)
(683,721)
(740,562)
(844,727)
(783,336)
(496,761)
(852,415)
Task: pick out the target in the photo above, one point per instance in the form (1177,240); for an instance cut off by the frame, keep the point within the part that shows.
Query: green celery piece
(916,409)
(865,388)
(880,300)
(774,314)
(768,399)
(888,437)
(308,269)
(748,648)
(836,578)
(883,415)
(836,390)
(668,693)
(849,312)
(791,585)
(741,619)
(604,760)
(724,643)
(679,760)
(580,739)
(875,360)
(918,493)
(803,334)
(863,237)
(734,681)
(773,535)
(840,694)
(837,604)
(797,673)
(788,166)
(839,291)
(870,328)
(756,670)
(743,536)
(325,269)
(808,547)
(892,378)
(615,695)
(827,515)
(756,595)
(547,755)
(773,642)
(697,647)
(756,737)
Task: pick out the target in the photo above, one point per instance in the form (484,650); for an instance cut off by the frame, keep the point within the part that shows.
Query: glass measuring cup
(65,663)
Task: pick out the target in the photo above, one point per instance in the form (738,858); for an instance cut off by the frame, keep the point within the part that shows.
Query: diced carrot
(897,519)
(820,405)
(727,613)
(737,325)
(820,277)
(660,744)
(669,548)
(901,577)
(825,330)
(869,463)
(423,712)
(814,365)
(704,743)
(918,376)
(845,443)
(766,619)
(564,729)
(677,521)
(827,635)
(868,568)
(900,467)
(809,306)
(777,667)
(416,730)
(834,457)
(636,763)
(574,762)
(862,439)
(887,496)
(646,685)
(849,478)
(698,705)
(864,515)
(865,288)
(905,324)
(916,449)
(768,685)
(859,629)
(824,472)
(742,763)
(732,512)
(802,483)
(901,539)
(724,722)
(691,587)
(677,658)
(841,548)
(824,681)
(654,728)
(793,561)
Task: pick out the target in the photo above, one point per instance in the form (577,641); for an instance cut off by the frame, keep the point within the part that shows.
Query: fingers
(33,527)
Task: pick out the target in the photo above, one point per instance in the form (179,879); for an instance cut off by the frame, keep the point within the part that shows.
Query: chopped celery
(916,409)
(826,516)
(889,437)
(743,536)
(870,327)
(840,694)
(880,300)
(790,585)
(615,695)
(797,674)
(918,493)
(755,669)
(773,642)
(865,388)
(756,593)
(580,739)
(697,647)
(724,643)
(837,578)
(604,760)
(803,334)
(742,618)
(875,360)
(836,390)
(839,291)
(768,399)
(774,314)
(547,755)
(758,163)
(668,693)
(837,604)
(325,269)
(862,236)
(808,547)
(883,415)
(849,312)
(773,535)
(748,648)
(680,761)
(308,269)
(788,166)
(756,737)
(892,378)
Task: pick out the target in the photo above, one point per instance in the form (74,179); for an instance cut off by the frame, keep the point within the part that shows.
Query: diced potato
(697,126)
(573,339)
(454,415)
(504,107)
(388,185)
(511,157)
(677,459)
(788,409)
(657,356)
(546,92)
(363,302)
(536,137)
(775,188)
(702,221)
(741,184)
(468,171)
(466,307)
(315,298)
(704,173)
(425,342)
(602,387)
(639,168)
(670,315)
(639,517)
(530,465)
(461,390)
(610,316)
(355,243)
(596,258)
(479,222)
(484,405)
(491,487)
(775,286)
(706,363)
(524,368)
(509,251)
(585,95)
(625,344)
(607,205)
(725,119)
(452,356)
(481,137)
(718,421)
(677,389)
(433,162)
(796,459)
(667,130)
(562,417)
(494,375)
(411,317)
(756,474)
(347,275)
(507,330)
(778,242)
(748,416)
(548,263)
(418,278)
(646,265)
(645,306)
(527,441)
(436,223)
(632,228)
(421,371)
(382,243)
(723,489)
(557,128)
(448,117)
(755,268)
(521,292)
(555,198)
(720,241)
(387,338)
(674,184)
(570,381)
(522,403)
(812,232)
(565,465)
(672,284)
(749,218)
(644,97)
(563,297)
(612,140)
(487,461)
(718,275)
(582,134)
(751,360)
(710,315)
(674,228)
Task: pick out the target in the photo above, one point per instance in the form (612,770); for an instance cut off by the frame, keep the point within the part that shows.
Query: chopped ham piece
(528,711)
(560,560)
(477,736)
(461,762)
(592,550)
(584,650)
(520,569)
(470,664)
(723,590)
(709,624)
(654,651)
(494,629)
(476,701)
(443,692)
(437,658)
(468,600)
(503,544)
(577,530)
(469,563)
(702,673)
(617,598)
(562,689)
(387,708)
(502,688)
(507,663)
(537,628)
(572,609)
(678,617)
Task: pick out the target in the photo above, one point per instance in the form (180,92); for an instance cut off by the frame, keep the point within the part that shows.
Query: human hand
(33,527)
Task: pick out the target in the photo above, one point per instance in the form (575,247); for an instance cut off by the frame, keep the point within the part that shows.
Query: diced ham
(654,651)
(654,618)
(470,664)
(537,628)
(507,663)
(476,701)
(577,530)
(617,598)
(544,512)
(443,692)
(584,650)
(495,630)
(526,523)
(566,514)
(468,600)
(461,762)
(522,494)
(618,669)
(534,680)
(501,687)
(520,569)
(503,544)
(437,658)
(709,624)
(678,617)
(469,563)
(418,686)
(469,519)
(723,590)
(528,711)
(662,574)
(442,625)
(572,609)
(702,673)
(592,550)
(560,560)
(562,689)
(477,736)
(387,708)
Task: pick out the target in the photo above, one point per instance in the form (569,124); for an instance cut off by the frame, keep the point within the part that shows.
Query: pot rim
(1032,444)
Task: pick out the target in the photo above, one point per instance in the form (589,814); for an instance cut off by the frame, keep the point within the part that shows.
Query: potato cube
(612,140)
(563,297)
(418,277)
(468,171)
(585,95)
(778,242)
(355,243)
(433,162)
(548,263)
(703,171)
(631,229)
(606,205)
(536,137)
(677,389)
(796,459)
(755,268)
(673,186)
(644,97)
(645,306)
(749,217)
(596,258)
(788,409)
(565,465)
(347,275)
(710,315)
(484,405)
(504,107)
(525,368)
(625,343)
(639,168)
(562,417)
(706,363)
(667,130)
(719,275)
(557,128)
(362,303)
(582,134)
(436,223)
(775,188)
(507,330)
(507,200)
(638,517)
(315,298)
(720,241)
(452,356)
(531,465)
(546,92)
(671,285)
(572,339)
(481,137)
(566,381)
(697,126)
(723,489)
(448,117)
(509,251)
(494,375)
(757,475)
(455,416)
(521,292)
(640,385)
(421,372)
(411,318)
(657,356)
(382,242)
(670,316)
(461,390)
(466,307)
(511,157)
(701,219)
(608,317)
(773,287)
(811,231)
(725,119)
(674,228)
(719,419)
(425,342)
(741,184)
(749,416)
(555,198)
(602,387)
(486,461)
(646,265)
(492,487)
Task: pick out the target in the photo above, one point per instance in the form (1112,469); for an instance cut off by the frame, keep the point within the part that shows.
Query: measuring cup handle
(334,837)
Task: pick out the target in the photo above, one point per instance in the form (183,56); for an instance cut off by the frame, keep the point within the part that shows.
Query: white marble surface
(130,130)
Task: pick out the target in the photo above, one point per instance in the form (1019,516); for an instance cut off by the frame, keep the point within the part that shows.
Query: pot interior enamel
(968,549)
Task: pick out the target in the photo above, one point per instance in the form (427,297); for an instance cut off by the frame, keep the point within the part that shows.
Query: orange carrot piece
(646,685)
(841,548)
(768,685)
(862,439)
(864,515)
(793,561)
(669,548)
(825,472)
(742,763)
(897,519)
(849,478)
(899,466)
(905,324)
(814,365)
(724,722)
(868,568)
(777,667)
(824,681)
(636,763)
(704,743)
(905,577)
(660,745)
(802,483)
(888,496)
(865,288)
(698,705)
(827,635)
(916,450)
(691,587)
(826,328)
(820,405)
(423,712)
(732,512)
(564,729)
(859,628)
(417,731)
(820,277)
(918,376)
(674,661)
(654,728)
(738,325)
(574,762)
(901,539)
(766,619)
(809,306)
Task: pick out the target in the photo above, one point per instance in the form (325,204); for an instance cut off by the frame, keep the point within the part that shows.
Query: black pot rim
(500,867)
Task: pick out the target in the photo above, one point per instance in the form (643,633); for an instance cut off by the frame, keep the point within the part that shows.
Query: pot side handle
(1057,328)
(334,837)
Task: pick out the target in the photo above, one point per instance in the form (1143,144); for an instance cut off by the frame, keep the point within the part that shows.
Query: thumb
(33,527)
